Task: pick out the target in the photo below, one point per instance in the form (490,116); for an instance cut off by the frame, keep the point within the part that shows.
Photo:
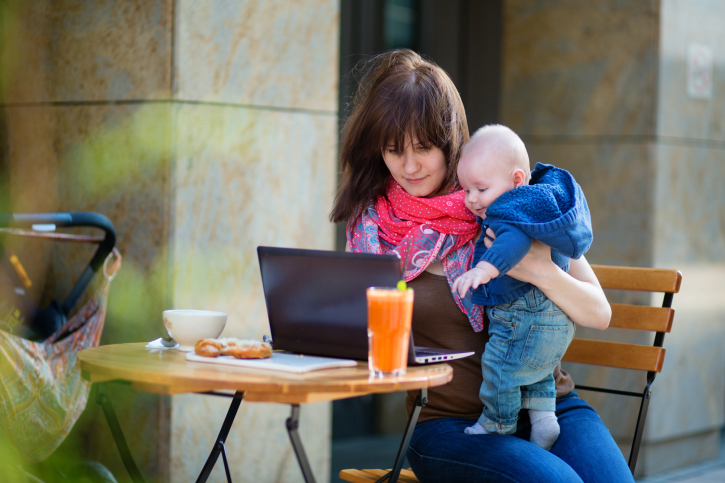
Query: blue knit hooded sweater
(551,209)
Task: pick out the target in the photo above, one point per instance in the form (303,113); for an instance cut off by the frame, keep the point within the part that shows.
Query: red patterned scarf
(401,211)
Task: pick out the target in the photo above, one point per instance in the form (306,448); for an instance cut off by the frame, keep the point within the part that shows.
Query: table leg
(293,423)
(105,402)
(420,401)
(219,444)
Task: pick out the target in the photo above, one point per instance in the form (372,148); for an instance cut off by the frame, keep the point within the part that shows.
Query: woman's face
(419,170)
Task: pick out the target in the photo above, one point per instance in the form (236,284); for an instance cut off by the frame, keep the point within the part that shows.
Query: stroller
(42,393)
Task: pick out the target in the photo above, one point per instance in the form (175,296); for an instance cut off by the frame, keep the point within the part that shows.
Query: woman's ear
(519,177)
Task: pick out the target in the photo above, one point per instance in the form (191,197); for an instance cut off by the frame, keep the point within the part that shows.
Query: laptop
(317,305)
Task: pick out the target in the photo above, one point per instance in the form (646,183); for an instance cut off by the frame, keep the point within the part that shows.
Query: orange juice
(390,313)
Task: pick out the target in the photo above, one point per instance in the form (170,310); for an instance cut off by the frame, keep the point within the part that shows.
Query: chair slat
(366,476)
(356,476)
(638,317)
(615,354)
(646,279)
(376,472)
(409,475)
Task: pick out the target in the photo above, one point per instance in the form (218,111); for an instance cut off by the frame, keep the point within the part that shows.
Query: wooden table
(168,372)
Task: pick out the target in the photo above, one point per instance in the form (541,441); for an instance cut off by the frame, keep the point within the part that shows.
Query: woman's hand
(577,292)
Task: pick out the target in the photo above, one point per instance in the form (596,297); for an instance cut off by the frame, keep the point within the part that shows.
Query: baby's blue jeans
(527,339)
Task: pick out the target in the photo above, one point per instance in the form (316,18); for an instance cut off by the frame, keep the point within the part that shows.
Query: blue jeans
(440,451)
(527,339)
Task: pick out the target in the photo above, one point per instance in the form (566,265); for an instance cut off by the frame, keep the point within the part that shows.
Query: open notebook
(280,361)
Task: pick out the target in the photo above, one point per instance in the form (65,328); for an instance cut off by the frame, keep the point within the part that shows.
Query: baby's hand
(471,279)
(489,269)
(482,273)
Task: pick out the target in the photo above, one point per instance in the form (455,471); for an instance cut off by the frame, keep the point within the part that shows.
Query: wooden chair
(648,358)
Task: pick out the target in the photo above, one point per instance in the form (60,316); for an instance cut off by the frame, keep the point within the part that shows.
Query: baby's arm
(482,273)
(509,247)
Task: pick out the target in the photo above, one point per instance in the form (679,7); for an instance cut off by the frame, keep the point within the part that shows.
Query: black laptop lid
(316,299)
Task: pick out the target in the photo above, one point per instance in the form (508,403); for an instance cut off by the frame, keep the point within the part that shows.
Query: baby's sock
(544,428)
(476,429)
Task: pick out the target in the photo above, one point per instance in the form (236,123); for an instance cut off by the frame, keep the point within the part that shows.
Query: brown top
(438,322)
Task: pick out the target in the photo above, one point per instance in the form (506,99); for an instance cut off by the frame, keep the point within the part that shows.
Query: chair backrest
(633,317)
(644,357)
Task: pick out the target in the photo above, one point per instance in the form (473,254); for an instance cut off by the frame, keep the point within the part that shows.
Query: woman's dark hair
(400,94)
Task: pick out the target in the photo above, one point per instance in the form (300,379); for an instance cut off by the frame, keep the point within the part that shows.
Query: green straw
(402,286)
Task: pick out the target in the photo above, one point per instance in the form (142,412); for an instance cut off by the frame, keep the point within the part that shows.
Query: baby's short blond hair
(501,141)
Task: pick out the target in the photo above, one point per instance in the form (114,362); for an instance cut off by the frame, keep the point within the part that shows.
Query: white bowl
(188,327)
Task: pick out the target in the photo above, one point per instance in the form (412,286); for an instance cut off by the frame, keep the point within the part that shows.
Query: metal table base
(292,424)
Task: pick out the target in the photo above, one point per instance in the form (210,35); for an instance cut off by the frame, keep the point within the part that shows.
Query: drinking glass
(390,313)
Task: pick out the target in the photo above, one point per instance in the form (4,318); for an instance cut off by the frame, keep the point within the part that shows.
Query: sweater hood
(552,194)
(551,209)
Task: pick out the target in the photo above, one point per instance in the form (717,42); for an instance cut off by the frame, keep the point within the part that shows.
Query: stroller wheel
(48,320)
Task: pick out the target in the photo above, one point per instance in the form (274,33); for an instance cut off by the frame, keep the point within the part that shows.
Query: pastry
(246,349)
(208,348)
(238,348)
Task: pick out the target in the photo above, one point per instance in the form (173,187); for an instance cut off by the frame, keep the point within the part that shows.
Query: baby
(528,333)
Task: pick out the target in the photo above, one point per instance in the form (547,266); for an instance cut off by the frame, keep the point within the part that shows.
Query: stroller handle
(93,220)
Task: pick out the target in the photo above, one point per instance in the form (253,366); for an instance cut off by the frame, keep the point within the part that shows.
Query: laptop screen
(316,299)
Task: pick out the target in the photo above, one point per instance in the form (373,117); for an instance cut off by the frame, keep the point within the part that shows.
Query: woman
(399,154)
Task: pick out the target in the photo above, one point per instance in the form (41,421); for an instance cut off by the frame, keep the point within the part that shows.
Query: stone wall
(689,234)
(600,89)
(201,129)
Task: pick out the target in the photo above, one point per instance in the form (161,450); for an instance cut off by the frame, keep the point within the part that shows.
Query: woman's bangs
(426,118)
(412,119)
(424,130)
(394,131)
(393,127)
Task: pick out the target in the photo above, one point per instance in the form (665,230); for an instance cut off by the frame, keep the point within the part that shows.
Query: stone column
(254,164)
(689,231)
(201,129)
(601,90)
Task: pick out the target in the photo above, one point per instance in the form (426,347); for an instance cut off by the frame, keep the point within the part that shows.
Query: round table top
(168,372)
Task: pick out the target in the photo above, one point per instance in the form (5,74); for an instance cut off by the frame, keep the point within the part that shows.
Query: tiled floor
(708,472)
(705,474)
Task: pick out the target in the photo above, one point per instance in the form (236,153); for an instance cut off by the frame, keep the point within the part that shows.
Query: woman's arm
(577,292)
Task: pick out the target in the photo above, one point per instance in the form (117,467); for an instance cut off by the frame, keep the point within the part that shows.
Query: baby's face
(483,180)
